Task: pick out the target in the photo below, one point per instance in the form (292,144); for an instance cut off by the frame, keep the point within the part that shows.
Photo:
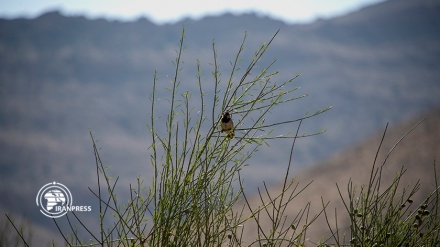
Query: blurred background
(67,67)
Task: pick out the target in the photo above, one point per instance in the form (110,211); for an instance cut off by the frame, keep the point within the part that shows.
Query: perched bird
(227,125)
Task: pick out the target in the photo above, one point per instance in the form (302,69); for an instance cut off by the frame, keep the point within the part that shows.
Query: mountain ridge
(61,76)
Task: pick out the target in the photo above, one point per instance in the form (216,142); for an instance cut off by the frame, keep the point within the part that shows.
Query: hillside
(61,76)
(416,153)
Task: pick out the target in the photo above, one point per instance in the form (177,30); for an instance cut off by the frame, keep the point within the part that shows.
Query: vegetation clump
(196,186)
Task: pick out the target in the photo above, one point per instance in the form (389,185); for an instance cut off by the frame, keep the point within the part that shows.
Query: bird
(227,125)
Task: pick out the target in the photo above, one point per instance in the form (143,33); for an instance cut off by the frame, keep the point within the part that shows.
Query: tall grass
(387,215)
(192,197)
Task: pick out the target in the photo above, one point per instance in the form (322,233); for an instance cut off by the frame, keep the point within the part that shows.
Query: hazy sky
(165,11)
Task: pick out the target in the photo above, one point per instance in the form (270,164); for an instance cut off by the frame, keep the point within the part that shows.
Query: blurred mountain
(61,76)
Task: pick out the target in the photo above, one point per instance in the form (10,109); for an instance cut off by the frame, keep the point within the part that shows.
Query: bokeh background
(65,70)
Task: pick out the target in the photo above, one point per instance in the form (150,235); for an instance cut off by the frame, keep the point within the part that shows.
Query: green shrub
(193,195)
